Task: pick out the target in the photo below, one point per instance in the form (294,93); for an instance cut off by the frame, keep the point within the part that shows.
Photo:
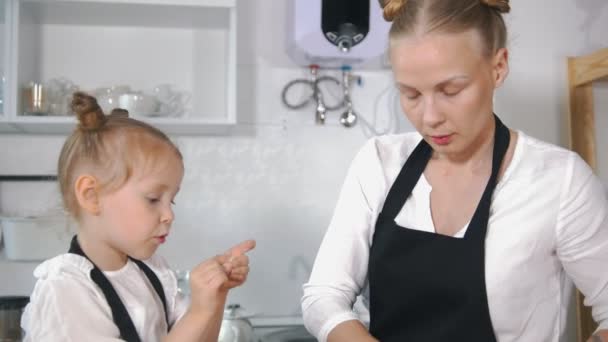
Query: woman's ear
(500,66)
(86,189)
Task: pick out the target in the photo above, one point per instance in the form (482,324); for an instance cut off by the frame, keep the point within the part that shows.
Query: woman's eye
(410,95)
(451,91)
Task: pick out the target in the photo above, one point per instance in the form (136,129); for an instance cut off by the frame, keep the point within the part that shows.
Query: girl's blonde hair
(452,16)
(109,147)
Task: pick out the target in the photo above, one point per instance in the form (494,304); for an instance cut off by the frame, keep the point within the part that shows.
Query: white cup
(164,93)
(108,102)
(138,104)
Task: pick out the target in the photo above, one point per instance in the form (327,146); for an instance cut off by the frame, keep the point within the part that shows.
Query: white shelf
(65,125)
(127,13)
(190,44)
(199,3)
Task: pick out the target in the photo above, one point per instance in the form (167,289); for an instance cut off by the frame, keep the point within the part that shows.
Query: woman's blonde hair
(109,147)
(452,16)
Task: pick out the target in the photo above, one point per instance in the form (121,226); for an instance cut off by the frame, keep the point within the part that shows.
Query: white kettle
(236,326)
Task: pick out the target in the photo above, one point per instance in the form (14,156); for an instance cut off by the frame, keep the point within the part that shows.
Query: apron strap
(502,138)
(120,315)
(415,165)
(155,283)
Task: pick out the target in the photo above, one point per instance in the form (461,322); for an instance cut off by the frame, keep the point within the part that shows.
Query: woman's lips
(442,139)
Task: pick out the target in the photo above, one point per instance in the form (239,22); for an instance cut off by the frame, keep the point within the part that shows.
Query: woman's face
(446,85)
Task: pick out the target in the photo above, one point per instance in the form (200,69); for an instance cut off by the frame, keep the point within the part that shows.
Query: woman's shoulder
(536,157)
(542,147)
(389,148)
(401,141)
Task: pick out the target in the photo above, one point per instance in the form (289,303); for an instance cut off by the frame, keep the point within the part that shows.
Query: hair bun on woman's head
(89,113)
(391,8)
(501,6)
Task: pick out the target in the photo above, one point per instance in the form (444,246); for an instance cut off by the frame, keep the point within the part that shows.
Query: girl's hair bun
(87,110)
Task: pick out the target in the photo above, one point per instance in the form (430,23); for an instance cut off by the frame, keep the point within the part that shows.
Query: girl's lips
(442,139)
(161,238)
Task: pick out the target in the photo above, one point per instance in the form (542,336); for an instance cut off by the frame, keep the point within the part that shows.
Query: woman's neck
(476,158)
(103,255)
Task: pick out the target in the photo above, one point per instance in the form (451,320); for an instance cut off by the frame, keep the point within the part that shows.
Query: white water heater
(332,33)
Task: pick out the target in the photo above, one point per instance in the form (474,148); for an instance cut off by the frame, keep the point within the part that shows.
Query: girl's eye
(153,200)
(173,202)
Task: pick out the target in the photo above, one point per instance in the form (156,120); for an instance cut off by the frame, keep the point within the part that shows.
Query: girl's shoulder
(64,265)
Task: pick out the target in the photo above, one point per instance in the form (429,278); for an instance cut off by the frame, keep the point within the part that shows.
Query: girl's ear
(86,189)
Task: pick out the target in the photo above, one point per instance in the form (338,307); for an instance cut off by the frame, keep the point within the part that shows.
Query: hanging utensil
(349,117)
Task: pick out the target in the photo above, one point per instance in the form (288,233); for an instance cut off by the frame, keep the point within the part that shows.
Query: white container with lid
(35,238)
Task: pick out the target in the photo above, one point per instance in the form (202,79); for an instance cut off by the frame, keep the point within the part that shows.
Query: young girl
(118,178)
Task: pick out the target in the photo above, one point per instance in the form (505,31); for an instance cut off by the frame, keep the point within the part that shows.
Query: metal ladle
(349,117)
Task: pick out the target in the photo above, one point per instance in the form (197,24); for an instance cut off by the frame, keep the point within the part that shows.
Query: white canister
(35,238)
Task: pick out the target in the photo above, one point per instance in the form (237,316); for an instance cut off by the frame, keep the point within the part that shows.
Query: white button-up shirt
(66,305)
(548,224)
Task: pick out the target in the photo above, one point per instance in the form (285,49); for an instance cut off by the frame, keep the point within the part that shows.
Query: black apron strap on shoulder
(156,284)
(414,166)
(120,315)
(502,137)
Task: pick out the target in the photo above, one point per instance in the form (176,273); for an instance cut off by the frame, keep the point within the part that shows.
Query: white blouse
(548,224)
(66,305)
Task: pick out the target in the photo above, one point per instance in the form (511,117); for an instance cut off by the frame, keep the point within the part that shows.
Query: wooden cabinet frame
(582,73)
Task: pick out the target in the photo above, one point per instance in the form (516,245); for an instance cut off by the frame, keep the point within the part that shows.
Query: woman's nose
(431,116)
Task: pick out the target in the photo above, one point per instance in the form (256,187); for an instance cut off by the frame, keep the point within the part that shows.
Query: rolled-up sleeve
(340,269)
(582,236)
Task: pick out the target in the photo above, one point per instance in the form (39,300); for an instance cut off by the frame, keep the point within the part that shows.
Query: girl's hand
(237,263)
(207,290)
(211,279)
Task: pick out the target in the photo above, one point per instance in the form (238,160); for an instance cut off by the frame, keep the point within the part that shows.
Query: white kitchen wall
(276,176)
(600,93)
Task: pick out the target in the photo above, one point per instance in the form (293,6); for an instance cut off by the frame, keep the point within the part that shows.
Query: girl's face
(446,87)
(137,217)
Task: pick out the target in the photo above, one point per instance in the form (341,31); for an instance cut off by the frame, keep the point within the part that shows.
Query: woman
(465,230)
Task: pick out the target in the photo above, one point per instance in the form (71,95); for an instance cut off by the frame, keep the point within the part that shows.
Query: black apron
(120,315)
(427,287)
